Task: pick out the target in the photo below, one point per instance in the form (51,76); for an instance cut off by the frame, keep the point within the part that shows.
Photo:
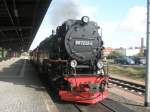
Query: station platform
(20,88)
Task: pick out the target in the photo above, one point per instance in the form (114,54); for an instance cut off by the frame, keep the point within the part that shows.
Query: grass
(132,72)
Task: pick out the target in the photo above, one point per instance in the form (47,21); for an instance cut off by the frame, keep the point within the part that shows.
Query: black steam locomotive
(72,58)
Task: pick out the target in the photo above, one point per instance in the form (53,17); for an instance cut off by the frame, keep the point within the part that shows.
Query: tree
(115,54)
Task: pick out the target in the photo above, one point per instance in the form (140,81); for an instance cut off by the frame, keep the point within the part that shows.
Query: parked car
(139,60)
(143,60)
(124,60)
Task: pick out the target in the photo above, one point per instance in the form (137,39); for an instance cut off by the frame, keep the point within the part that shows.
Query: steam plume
(65,9)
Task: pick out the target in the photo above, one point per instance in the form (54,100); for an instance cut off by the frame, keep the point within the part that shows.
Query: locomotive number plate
(83,43)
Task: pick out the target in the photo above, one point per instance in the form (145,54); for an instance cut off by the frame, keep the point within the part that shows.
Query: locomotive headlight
(73,63)
(85,19)
(100,64)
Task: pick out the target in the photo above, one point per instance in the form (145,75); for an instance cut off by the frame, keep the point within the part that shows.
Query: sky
(123,21)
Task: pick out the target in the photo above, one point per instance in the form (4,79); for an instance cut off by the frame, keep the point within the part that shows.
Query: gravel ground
(131,104)
(130,100)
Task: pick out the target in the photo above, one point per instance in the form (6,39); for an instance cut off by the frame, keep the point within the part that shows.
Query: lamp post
(147,78)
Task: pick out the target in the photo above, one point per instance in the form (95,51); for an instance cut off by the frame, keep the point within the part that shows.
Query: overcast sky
(123,21)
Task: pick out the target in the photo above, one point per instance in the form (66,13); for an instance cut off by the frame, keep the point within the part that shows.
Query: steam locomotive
(72,59)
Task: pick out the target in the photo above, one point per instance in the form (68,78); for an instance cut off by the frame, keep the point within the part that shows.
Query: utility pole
(147,78)
(142,47)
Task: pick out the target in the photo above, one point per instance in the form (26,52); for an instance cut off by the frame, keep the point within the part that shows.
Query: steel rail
(129,85)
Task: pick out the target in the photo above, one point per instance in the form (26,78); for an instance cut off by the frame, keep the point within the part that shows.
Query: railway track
(99,107)
(129,86)
(107,105)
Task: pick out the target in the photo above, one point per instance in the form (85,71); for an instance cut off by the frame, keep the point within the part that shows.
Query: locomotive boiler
(72,59)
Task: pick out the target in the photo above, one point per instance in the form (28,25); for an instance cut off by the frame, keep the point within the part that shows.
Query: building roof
(19,22)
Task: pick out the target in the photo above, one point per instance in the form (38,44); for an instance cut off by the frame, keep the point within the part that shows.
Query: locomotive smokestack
(53,32)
